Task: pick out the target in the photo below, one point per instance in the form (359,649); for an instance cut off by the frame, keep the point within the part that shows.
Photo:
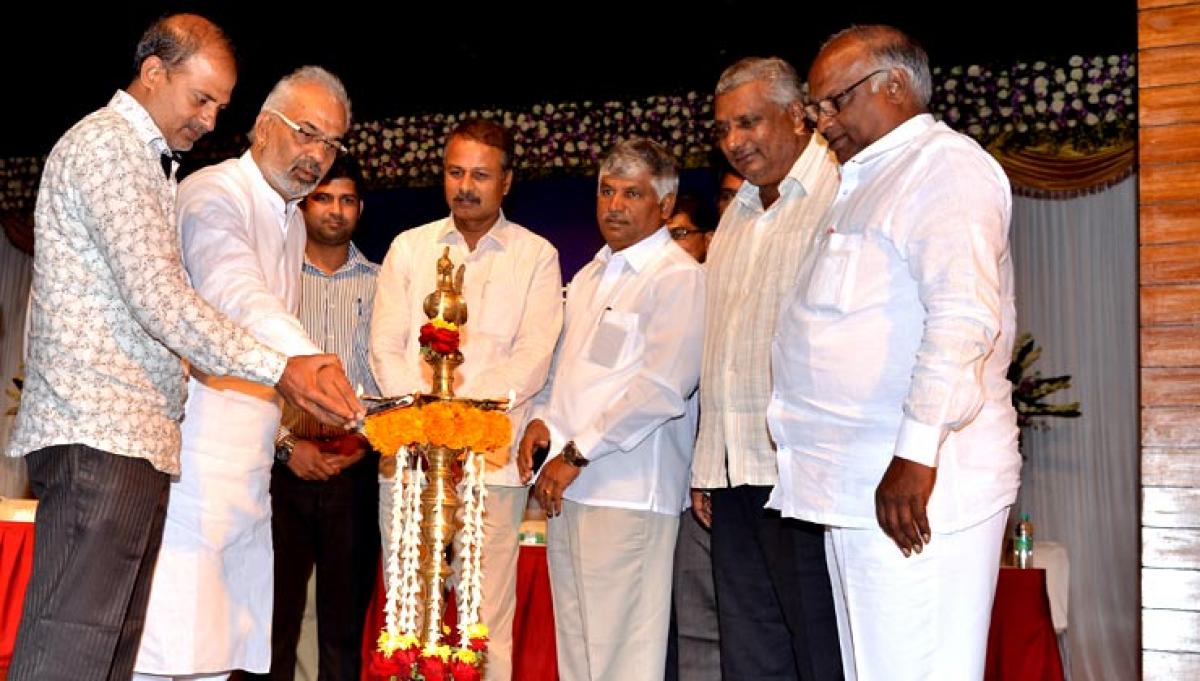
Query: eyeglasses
(832,105)
(678,233)
(308,135)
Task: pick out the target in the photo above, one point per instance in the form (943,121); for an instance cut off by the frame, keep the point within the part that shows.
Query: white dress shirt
(243,246)
(897,338)
(752,264)
(513,289)
(625,372)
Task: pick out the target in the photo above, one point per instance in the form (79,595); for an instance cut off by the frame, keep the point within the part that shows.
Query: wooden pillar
(1169,281)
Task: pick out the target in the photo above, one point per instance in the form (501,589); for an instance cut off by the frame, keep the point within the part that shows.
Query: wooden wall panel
(1177,630)
(1169,144)
(1169,467)
(1159,665)
(1169,26)
(1170,548)
(1170,346)
(1170,426)
(1173,182)
(1168,66)
(1170,589)
(1170,263)
(1171,387)
(1171,507)
(1164,223)
(1171,304)
(1169,105)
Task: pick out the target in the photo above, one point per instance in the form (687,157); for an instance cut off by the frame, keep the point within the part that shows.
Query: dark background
(61,62)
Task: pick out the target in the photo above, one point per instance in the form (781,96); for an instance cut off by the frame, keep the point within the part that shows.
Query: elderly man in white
(619,414)
(890,405)
(242,236)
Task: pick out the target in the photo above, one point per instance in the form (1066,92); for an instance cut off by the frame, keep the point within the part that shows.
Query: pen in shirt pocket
(359,304)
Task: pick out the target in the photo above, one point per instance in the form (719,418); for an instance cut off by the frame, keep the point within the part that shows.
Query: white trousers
(923,618)
(503,510)
(610,578)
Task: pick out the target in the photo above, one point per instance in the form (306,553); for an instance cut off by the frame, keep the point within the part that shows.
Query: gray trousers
(98,530)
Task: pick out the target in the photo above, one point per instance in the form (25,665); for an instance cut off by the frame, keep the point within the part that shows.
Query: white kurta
(212,595)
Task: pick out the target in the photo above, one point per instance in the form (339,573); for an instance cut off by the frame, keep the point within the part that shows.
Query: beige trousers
(610,576)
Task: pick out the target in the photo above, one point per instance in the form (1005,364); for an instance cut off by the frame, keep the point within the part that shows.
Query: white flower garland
(404,546)
(472,493)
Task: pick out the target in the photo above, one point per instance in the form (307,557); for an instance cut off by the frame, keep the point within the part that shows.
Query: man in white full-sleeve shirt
(242,236)
(619,417)
(513,290)
(890,407)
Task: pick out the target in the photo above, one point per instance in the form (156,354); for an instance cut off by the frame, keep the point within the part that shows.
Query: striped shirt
(335,310)
(752,263)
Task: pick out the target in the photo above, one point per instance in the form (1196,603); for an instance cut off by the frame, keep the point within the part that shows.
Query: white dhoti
(924,617)
(213,589)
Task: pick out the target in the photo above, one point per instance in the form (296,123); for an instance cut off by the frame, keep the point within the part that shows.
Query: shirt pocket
(831,284)
(500,315)
(614,338)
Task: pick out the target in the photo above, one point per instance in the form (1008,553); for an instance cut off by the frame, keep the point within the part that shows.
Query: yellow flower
(477,630)
(466,655)
(436,650)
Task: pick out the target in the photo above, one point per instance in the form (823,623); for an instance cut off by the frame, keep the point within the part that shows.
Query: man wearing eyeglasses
(772,624)
(242,236)
(891,404)
(684,230)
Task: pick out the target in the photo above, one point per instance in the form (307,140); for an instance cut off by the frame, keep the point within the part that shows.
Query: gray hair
(783,83)
(635,154)
(281,95)
(891,48)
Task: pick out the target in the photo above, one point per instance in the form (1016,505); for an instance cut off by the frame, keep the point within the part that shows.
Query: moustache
(466,198)
(309,165)
(615,218)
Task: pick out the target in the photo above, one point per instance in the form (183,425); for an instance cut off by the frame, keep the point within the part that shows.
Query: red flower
(393,665)
(478,644)
(408,656)
(432,668)
(441,341)
(464,671)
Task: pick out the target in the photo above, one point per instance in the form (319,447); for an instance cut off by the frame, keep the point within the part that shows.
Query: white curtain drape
(16,270)
(1076,273)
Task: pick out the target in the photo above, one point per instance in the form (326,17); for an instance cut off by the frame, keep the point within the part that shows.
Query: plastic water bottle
(1023,542)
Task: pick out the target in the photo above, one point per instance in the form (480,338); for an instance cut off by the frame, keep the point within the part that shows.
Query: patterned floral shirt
(111,310)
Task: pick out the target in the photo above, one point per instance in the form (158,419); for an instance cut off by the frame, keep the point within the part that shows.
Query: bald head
(865,82)
(174,39)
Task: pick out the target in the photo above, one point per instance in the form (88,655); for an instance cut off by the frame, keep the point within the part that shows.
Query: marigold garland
(444,423)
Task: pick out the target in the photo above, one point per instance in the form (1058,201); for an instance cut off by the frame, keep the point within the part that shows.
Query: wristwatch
(284,447)
(570,454)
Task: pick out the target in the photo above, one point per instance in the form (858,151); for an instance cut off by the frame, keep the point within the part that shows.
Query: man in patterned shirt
(111,315)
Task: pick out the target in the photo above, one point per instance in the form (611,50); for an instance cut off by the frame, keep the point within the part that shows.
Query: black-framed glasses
(678,233)
(832,105)
(308,135)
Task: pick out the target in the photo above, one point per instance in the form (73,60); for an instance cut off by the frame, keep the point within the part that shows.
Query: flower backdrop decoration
(1085,104)
(1082,103)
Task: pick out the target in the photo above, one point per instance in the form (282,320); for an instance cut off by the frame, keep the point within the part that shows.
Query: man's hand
(536,435)
(702,507)
(317,384)
(345,450)
(308,463)
(554,479)
(900,502)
